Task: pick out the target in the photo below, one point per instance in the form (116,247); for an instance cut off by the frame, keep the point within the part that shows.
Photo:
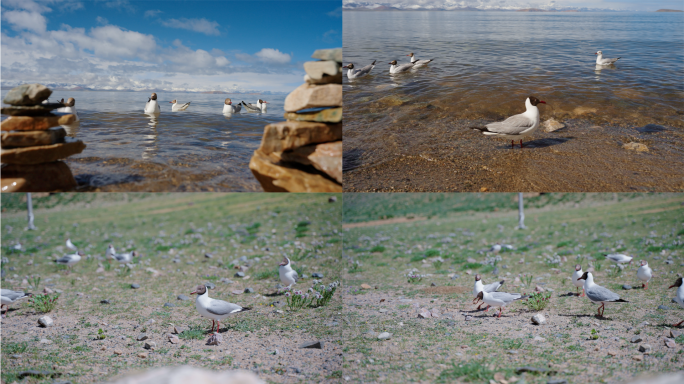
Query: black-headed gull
(679,297)
(644,273)
(598,294)
(10,297)
(70,260)
(69,107)
(229,108)
(418,63)
(394,68)
(601,61)
(576,279)
(498,299)
(71,246)
(216,310)
(356,73)
(179,107)
(479,287)
(110,251)
(259,107)
(618,258)
(124,258)
(288,276)
(152,106)
(518,126)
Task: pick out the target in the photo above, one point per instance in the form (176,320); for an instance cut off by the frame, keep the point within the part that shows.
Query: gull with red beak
(576,279)
(479,287)
(394,68)
(213,309)
(644,273)
(229,108)
(598,294)
(288,276)
(618,258)
(356,73)
(518,126)
(679,297)
(499,299)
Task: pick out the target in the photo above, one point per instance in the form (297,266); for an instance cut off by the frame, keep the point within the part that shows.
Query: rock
(32,138)
(237,292)
(645,348)
(150,345)
(150,321)
(169,305)
(636,339)
(424,314)
(312,344)
(314,96)
(384,336)
(239,274)
(317,275)
(539,338)
(42,153)
(337,79)
(31,110)
(332,199)
(118,352)
(210,285)
(187,374)
(289,135)
(135,286)
(99,270)
(433,284)
(105,301)
(366,286)
(626,287)
(226,280)
(45,321)
(208,255)
(249,290)
(538,319)
(551,125)
(190,262)
(670,343)
(284,178)
(142,355)
(215,339)
(45,341)
(319,69)
(328,115)
(182,298)
(674,333)
(326,157)
(36,123)
(37,373)
(434,312)
(334,54)
(48,291)
(612,352)
(49,177)
(32,94)
(173,338)
(663,307)
(636,147)
(638,357)
(141,337)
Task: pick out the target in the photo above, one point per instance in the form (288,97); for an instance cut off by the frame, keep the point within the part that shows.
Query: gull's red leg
(500,311)
(521,143)
(678,324)
(582,292)
(218,326)
(512,144)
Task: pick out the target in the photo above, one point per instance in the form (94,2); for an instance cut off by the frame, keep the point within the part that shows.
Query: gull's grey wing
(119,256)
(366,70)
(405,67)
(514,125)
(505,296)
(493,287)
(599,293)
(219,307)
(12,295)
(64,259)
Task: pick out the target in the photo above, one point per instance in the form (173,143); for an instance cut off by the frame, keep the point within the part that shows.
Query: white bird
(576,279)
(496,248)
(70,260)
(598,294)
(394,68)
(229,108)
(644,273)
(176,107)
(71,246)
(618,258)
(418,63)
(479,287)
(356,73)
(498,299)
(515,127)
(679,297)
(259,107)
(10,297)
(124,258)
(152,106)
(17,247)
(601,61)
(110,251)
(216,310)
(288,276)
(69,107)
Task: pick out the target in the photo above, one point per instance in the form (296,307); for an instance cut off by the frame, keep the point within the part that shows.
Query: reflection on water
(197,150)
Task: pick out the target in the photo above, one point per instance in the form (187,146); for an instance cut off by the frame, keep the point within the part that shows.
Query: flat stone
(135,286)
(334,54)
(237,292)
(645,348)
(313,96)
(636,339)
(319,69)
(384,336)
(141,337)
(32,94)
(612,352)
(670,343)
(169,305)
(31,110)
(424,314)
(36,123)
(182,297)
(626,287)
(45,321)
(636,147)
(32,138)
(47,177)
(249,290)
(45,341)
(552,124)
(337,79)
(151,345)
(326,157)
(43,153)
(173,339)
(289,135)
(328,115)
(208,255)
(284,178)
(674,333)
(638,357)
(312,344)
(664,307)
(317,275)
(118,352)
(215,339)
(365,286)
(239,274)
(538,319)
(142,355)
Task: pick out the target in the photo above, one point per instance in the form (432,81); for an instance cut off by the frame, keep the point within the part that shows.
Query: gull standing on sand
(288,276)
(216,310)
(259,107)
(479,287)
(229,108)
(70,260)
(179,107)
(679,297)
(152,106)
(598,294)
(644,273)
(601,61)
(418,63)
(518,126)
(618,258)
(71,246)
(356,73)
(576,279)
(498,299)
(10,297)
(69,107)
(394,68)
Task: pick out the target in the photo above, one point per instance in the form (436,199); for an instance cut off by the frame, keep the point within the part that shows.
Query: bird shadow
(594,316)
(273,294)
(539,143)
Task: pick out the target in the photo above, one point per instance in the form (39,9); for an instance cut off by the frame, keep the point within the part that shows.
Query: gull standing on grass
(356,73)
(216,310)
(618,258)
(288,276)
(70,260)
(110,251)
(598,294)
(499,299)
(601,61)
(576,279)
(479,287)
(679,297)
(124,258)
(644,273)
(10,297)
(152,106)
(518,126)
(71,246)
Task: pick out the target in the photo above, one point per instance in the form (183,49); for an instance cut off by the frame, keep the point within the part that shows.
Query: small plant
(414,277)
(316,296)
(617,271)
(598,266)
(296,299)
(538,300)
(267,274)
(528,280)
(107,266)
(437,264)
(193,333)
(34,281)
(594,334)
(322,294)
(512,344)
(100,334)
(431,253)
(44,302)
(473,371)
(377,248)
(124,272)
(575,348)
(355,267)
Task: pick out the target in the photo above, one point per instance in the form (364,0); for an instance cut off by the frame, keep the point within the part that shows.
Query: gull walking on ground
(518,126)
(576,279)
(288,276)
(479,287)
(644,273)
(10,297)
(216,310)
(70,260)
(498,299)
(618,258)
(598,294)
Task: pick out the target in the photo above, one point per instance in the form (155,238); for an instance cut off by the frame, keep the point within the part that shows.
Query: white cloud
(152,13)
(120,4)
(272,56)
(25,20)
(197,25)
(102,20)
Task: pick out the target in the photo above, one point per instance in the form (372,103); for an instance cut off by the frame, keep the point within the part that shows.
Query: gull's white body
(231,108)
(601,61)
(204,303)
(71,110)
(288,276)
(152,107)
(179,107)
(644,273)
(110,251)
(356,73)
(516,126)
(619,258)
(575,279)
(69,260)
(71,246)
(123,258)
(419,63)
(479,287)
(394,69)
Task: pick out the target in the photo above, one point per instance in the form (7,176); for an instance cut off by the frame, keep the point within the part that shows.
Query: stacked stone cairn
(33,143)
(304,153)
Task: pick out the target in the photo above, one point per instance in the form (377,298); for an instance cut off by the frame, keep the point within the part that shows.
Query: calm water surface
(199,149)
(487,63)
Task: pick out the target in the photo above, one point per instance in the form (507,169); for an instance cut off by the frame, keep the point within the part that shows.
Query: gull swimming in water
(517,126)
(152,106)
(216,310)
(418,63)
(356,73)
(259,107)
(601,61)
(394,68)
(69,107)
(179,107)
(229,108)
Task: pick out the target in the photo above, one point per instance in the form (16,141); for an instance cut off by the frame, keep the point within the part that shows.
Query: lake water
(487,63)
(199,149)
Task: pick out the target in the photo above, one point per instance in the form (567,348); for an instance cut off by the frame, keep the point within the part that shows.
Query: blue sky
(166,45)
(617,5)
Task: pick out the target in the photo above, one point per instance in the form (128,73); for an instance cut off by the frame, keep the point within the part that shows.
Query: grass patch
(194,333)
(377,248)
(431,253)
(473,371)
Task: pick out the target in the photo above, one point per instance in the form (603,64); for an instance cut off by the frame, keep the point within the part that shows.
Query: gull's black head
(200,290)
(678,283)
(349,66)
(478,277)
(393,62)
(578,267)
(154,96)
(584,276)
(534,101)
(480,295)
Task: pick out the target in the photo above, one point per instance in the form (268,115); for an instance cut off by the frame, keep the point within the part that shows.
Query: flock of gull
(152,106)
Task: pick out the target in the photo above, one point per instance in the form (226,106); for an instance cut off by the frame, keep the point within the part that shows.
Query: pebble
(317,275)
(557,381)
(118,352)
(239,274)
(645,348)
(637,357)
(670,343)
(208,255)
(226,280)
(141,337)
(663,307)
(215,339)
(383,310)
(173,338)
(365,286)
(636,339)
(45,321)
(45,341)
(626,287)
(182,297)
(169,305)
(135,286)
(151,345)
(249,290)
(312,344)
(105,301)
(538,319)
(612,353)
(384,336)
(142,355)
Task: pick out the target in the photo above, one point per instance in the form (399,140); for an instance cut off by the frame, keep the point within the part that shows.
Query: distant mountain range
(452,5)
(67,87)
